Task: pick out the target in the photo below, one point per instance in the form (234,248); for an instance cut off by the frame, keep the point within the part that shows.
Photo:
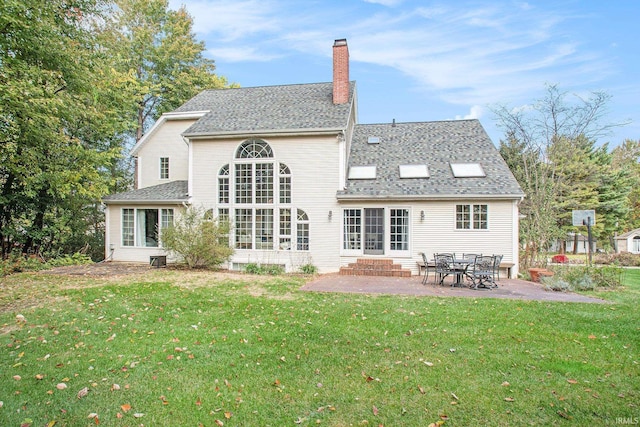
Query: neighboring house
(304,183)
(629,242)
(580,242)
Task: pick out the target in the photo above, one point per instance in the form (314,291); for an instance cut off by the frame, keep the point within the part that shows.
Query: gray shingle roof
(268,109)
(436,144)
(171,192)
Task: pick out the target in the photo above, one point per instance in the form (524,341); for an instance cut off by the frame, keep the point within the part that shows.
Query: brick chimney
(340,71)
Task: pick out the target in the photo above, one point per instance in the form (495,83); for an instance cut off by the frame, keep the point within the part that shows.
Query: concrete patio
(507,288)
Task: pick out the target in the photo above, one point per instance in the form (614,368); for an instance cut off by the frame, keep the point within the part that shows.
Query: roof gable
(437,145)
(268,109)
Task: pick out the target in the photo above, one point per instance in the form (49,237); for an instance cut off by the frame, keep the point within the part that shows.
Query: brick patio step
(375,267)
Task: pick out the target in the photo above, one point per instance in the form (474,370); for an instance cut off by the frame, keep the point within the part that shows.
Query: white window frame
(165,217)
(472,220)
(164,168)
(266,187)
(357,248)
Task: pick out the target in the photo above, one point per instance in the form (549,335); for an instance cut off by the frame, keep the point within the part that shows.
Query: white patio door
(374,231)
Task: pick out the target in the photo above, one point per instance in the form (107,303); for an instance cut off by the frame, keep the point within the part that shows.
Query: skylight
(362,172)
(373,140)
(467,170)
(414,171)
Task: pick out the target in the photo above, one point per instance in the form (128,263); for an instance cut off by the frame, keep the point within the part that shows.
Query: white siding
(437,232)
(314,163)
(166,142)
(114,235)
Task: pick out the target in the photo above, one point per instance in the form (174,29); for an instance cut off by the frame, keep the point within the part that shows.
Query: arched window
(257,189)
(223,185)
(636,244)
(254,149)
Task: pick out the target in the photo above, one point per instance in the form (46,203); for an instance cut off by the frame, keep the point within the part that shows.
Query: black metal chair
(425,261)
(482,272)
(497,260)
(443,266)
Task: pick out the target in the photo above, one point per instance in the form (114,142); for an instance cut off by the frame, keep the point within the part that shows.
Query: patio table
(460,267)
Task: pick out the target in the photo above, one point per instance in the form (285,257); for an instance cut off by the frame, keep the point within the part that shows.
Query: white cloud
(475,112)
(232,20)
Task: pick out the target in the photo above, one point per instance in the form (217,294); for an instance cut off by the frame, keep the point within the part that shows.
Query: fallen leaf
(126,407)
(572,381)
(421,389)
(92,415)
(506,384)
(82,393)
(564,415)
(51,423)
(39,376)
(17,377)
(61,386)
(219,423)
(228,415)
(592,337)
(115,387)
(375,410)
(509,399)
(138,415)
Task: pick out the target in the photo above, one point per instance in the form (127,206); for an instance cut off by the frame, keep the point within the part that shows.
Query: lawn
(185,348)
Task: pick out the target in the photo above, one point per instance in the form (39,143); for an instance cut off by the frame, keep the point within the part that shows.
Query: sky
(417,61)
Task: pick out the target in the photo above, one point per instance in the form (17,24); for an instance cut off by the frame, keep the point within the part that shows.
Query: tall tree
(157,49)
(545,132)
(46,166)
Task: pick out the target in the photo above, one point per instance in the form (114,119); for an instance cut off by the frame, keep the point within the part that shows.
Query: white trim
(165,117)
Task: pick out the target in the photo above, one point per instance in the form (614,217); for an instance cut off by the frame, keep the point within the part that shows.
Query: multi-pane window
(258,191)
(352,229)
(244,183)
(264,229)
(264,183)
(285,229)
(285,184)
(142,227)
(128,227)
(399,229)
(472,217)
(303,231)
(167,218)
(244,228)
(223,185)
(164,168)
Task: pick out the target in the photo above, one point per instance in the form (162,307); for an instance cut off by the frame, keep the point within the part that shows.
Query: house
(304,183)
(575,243)
(628,242)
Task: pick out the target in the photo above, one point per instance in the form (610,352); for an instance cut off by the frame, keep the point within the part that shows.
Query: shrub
(309,269)
(583,278)
(272,269)
(199,241)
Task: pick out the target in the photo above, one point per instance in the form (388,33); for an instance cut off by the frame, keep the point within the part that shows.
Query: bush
(309,269)
(626,259)
(271,269)
(583,278)
(199,241)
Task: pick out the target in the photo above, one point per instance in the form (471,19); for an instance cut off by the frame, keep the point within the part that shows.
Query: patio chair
(426,268)
(470,257)
(482,272)
(444,266)
(497,259)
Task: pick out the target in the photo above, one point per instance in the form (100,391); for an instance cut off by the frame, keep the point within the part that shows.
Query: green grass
(188,349)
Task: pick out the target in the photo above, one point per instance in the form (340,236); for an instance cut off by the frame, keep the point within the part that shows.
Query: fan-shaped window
(254,149)
(255,190)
